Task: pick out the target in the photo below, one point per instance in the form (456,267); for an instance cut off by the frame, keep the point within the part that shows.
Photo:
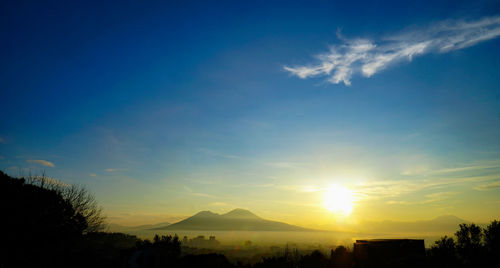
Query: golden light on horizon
(339,200)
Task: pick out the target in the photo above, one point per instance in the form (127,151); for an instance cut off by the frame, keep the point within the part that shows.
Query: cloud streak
(429,198)
(114,169)
(397,188)
(217,154)
(367,57)
(488,186)
(42,162)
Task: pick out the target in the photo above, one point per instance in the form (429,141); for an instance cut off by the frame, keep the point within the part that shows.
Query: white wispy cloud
(48,181)
(396,188)
(367,57)
(429,198)
(203,195)
(284,164)
(115,169)
(42,162)
(299,188)
(191,192)
(218,204)
(488,186)
(217,154)
(482,166)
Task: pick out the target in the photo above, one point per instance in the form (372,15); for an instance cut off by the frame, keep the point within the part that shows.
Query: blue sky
(165,109)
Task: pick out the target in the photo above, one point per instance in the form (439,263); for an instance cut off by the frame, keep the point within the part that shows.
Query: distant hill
(235,220)
(441,225)
(113,227)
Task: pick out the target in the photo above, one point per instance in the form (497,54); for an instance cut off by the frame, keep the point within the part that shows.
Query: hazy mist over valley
(239,225)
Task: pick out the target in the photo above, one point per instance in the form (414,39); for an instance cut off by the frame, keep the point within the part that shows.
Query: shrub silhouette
(315,259)
(101,249)
(82,201)
(164,251)
(474,247)
(469,246)
(492,242)
(42,227)
(443,253)
(279,262)
(341,257)
(205,260)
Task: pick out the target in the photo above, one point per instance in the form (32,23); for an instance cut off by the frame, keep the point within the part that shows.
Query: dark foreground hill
(235,220)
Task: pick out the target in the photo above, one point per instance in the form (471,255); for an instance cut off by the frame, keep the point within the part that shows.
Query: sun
(338,200)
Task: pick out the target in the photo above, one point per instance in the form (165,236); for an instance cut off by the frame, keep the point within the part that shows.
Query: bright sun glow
(339,200)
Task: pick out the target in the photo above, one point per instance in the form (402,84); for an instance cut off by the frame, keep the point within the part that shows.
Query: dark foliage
(205,260)
(443,253)
(101,249)
(164,251)
(341,257)
(469,246)
(43,227)
(315,259)
(474,247)
(492,242)
(40,226)
(279,262)
(82,201)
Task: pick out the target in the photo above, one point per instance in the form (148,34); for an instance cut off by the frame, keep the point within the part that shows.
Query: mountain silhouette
(241,214)
(235,220)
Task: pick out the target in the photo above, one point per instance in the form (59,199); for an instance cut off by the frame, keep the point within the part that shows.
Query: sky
(163,109)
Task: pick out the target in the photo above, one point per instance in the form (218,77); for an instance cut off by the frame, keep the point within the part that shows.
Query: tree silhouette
(41,226)
(341,257)
(444,253)
(83,202)
(469,246)
(164,251)
(492,242)
(315,259)
(205,260)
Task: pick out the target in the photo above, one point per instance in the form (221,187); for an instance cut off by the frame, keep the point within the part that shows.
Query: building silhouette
(200,242)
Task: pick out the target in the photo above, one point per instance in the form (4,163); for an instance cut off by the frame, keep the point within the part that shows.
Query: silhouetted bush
(41,226)
(279,262)
(315,259)
(341,257)
(164,251)
(205,260)
(443,253)
(82,201)
(492,242)
(474,247)
(101,249)
(469,246)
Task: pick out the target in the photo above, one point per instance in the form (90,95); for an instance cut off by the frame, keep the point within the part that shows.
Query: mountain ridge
(444,224)
(234,220)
